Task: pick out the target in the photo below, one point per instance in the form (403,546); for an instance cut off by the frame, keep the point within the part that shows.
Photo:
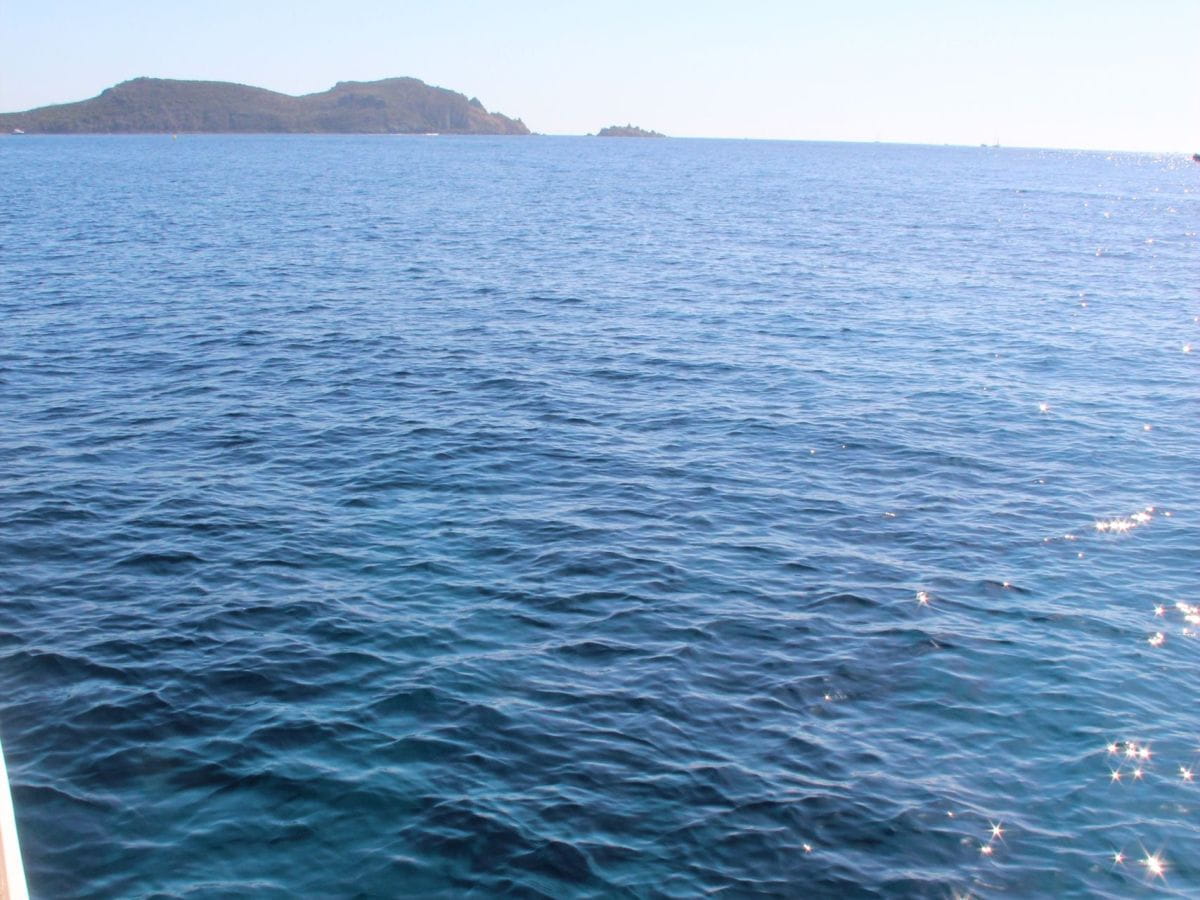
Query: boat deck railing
(12,872)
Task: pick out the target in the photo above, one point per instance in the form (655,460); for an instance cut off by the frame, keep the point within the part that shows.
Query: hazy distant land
(627,131)
(161,105)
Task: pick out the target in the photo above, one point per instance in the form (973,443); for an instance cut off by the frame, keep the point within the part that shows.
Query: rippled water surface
(466,517)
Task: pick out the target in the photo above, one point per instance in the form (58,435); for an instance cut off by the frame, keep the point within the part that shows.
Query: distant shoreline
(1182,154)
(169,106)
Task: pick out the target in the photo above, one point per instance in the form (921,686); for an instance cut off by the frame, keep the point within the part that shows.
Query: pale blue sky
(1106,74)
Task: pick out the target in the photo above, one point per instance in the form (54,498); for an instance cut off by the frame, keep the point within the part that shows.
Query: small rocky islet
(627,131)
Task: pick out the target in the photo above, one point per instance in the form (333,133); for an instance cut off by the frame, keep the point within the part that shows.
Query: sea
(466,517)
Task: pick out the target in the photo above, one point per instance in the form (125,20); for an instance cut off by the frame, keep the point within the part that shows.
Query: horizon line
(545,134)
(535,133)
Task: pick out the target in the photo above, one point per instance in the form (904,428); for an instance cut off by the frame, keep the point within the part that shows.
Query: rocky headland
(162,105)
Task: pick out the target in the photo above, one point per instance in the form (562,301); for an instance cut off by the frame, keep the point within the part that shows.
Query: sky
(1103,74)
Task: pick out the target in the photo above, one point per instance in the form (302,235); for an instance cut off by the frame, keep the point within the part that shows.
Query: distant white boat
(18,131)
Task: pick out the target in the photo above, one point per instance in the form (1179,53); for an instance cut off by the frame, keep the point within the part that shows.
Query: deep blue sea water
(548,517)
